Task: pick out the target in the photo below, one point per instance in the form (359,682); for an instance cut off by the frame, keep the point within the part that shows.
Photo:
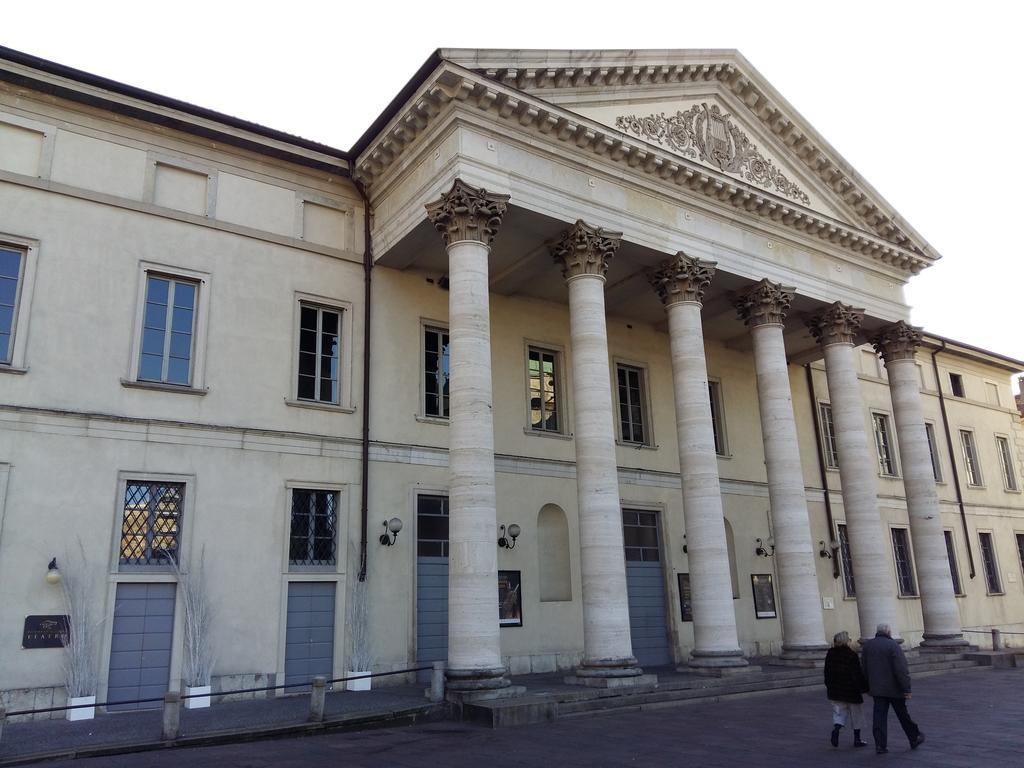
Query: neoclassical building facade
(613,343)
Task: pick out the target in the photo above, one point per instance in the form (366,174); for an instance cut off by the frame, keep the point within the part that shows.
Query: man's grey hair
(841,638)
(884,629)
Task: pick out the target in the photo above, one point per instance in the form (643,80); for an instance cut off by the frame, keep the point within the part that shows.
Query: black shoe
(834,738)
(860,743)
(918,741)
(881,751)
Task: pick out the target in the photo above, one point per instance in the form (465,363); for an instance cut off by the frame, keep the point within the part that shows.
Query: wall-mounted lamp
(685,550)
(53,572)
(391,529)
(509,542)
(828,552)
(765,548)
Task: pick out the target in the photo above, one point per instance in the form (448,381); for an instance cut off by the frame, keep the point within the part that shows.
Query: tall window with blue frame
(168,330)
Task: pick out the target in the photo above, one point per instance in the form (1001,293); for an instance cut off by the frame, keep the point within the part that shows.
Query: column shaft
(938,602)
(872,571)
(714,619)
(474,645)
(803,627)
(606,635)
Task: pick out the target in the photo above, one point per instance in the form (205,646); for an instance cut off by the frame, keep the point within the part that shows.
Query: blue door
(431,582)
(309,637)
(645,585)
(140,644)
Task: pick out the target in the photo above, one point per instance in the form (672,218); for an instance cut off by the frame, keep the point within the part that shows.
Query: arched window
(730,547)
(553,554)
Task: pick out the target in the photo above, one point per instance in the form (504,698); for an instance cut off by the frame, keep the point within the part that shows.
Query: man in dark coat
(889,685)
(844,685)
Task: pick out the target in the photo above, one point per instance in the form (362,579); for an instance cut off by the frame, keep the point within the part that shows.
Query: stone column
(680,282)
(583,253)
(835,329)
(897,344)
(763,308)
(468,219)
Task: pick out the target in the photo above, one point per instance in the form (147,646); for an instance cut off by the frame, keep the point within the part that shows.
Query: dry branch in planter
(197,665)
(80,662)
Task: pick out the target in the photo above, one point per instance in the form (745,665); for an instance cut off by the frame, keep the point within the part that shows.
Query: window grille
(313,540)
(543,377)
(846,560)
(151,525)
(904,565)
(436,361)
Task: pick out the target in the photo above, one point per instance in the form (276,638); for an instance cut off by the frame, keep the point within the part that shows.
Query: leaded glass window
(151,523)
(319,354)
(168,327)
(313,539)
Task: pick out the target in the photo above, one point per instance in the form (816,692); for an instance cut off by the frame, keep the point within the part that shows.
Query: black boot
(835,735)
(857,740)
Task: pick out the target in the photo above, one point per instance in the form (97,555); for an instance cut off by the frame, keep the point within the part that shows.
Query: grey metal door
(309,637)
(431,581)
(140,644)
(645,585)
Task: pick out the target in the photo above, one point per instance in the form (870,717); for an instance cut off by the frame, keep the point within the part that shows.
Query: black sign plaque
(44,631)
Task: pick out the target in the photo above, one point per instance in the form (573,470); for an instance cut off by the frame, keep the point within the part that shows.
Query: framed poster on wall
(510,599)
(764,595)
(685,600)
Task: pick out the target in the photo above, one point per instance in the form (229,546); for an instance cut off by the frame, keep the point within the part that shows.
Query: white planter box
(83,713)
(199,702)
(362,684)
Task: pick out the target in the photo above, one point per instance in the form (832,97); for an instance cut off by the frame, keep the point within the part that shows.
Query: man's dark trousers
(880,725)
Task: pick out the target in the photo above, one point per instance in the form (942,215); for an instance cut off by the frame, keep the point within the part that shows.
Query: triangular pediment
(708,107)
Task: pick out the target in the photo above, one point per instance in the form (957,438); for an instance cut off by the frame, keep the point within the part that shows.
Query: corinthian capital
(838,324)
(467,213)
(682,278)
(898,341)
(585,250)
(765,304)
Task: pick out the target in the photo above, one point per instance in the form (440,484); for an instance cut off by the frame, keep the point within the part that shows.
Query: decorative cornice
(585,250)
(682,279)
(449,86)
(839,324)
(898,341)
(761,104)
(766,303)
(467,213)
(706,133)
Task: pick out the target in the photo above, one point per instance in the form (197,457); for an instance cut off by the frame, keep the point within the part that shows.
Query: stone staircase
(548,699)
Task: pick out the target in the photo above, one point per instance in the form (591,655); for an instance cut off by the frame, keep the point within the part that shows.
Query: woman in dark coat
(845,684)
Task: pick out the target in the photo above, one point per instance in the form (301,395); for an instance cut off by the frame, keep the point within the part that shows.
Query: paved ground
(971,719)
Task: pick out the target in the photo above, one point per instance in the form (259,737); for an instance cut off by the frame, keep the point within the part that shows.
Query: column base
(467,680)
(484,694)
(809,656)
(611,673)
(717,663)
(944,644)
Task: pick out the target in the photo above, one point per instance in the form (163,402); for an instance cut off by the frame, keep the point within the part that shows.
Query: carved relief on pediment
(708,134)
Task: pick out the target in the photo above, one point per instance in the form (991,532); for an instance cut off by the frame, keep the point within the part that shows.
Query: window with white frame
(1006,463)
(929,431)
(543,369)
(884,444)
(828,436)
(313,531)
(988,559)
(632,391)
(954,568)
(846,560)
(970,451)
(436,367)
(12,266)
(718,417)
(319,369)
(151,523)
(168,330)
(904,565)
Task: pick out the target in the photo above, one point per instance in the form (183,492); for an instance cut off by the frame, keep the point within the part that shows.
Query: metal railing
(997,635)
(172,699)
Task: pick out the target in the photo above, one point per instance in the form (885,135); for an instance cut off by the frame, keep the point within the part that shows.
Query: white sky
(919,97)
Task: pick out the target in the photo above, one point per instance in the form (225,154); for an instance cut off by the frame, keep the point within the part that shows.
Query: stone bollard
(997,642)
(317,699)
(437,682)
(3,719)
(172,715)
